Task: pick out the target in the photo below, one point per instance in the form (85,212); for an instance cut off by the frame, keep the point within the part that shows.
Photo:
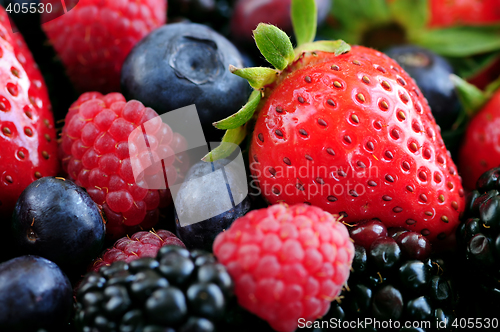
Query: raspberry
(140,244)
(94,38)
(95,153)
(287,263)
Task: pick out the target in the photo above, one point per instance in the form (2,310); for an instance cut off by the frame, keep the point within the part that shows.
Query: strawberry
(463,12)
(94,38)
(350,132)
(480,149)
(28,147)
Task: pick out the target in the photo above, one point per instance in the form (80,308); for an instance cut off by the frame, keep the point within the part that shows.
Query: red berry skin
(463,12)
(367,231)
(354,136)
(94,38)
(28,141)
(96,154)
(480,150)
(139,245)
(286,262)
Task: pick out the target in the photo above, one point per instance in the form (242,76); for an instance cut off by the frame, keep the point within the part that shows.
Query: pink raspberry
(94,38)
(95,153)
(140,244)
(287,262)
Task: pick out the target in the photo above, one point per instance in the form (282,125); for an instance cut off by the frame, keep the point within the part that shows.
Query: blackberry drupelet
(478,238)
(394,277)
(178,290)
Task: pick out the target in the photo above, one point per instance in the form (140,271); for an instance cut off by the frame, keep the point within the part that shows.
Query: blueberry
(56,219)
(431,72)
(34,294)
(207,192)
(181,64)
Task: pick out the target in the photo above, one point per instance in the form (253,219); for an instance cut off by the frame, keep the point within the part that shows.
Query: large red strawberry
(94,38)
(480,149)
(28,147)
(350,133)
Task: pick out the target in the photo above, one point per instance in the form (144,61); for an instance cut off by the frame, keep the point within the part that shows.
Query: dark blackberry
(394,277)
(478,238)
(179,290)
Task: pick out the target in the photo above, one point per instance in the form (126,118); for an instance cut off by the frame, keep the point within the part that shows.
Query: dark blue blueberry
(181,64)
(34,294)
(431,72)
(208,192)
(56,219)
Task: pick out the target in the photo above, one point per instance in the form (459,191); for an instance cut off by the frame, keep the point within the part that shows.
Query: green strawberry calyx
(278,50)
(472,98)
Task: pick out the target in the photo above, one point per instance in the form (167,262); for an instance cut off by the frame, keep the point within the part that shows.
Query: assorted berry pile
(252,165)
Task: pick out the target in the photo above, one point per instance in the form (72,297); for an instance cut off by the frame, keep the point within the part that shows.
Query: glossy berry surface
(197,186)
(178,290)
(138,245)
(95,152)
(28,146)
(56,219)
(479,234)
(364,233)
(432,73)
(34,294)
(479,151)
(365,140)
(193,69)
(286,262)
(94,38)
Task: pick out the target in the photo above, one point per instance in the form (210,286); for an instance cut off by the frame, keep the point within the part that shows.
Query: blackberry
(179,290)
(478,238)
(394,277)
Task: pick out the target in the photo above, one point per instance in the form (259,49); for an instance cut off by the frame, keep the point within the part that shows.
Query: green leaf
(257,77)
(411,14)
(243,115)
(468,67)
(492,87)
(304,20)
(232,138)
(334,46)
(471,97)
(352,13)
(460,41)
(274,45)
